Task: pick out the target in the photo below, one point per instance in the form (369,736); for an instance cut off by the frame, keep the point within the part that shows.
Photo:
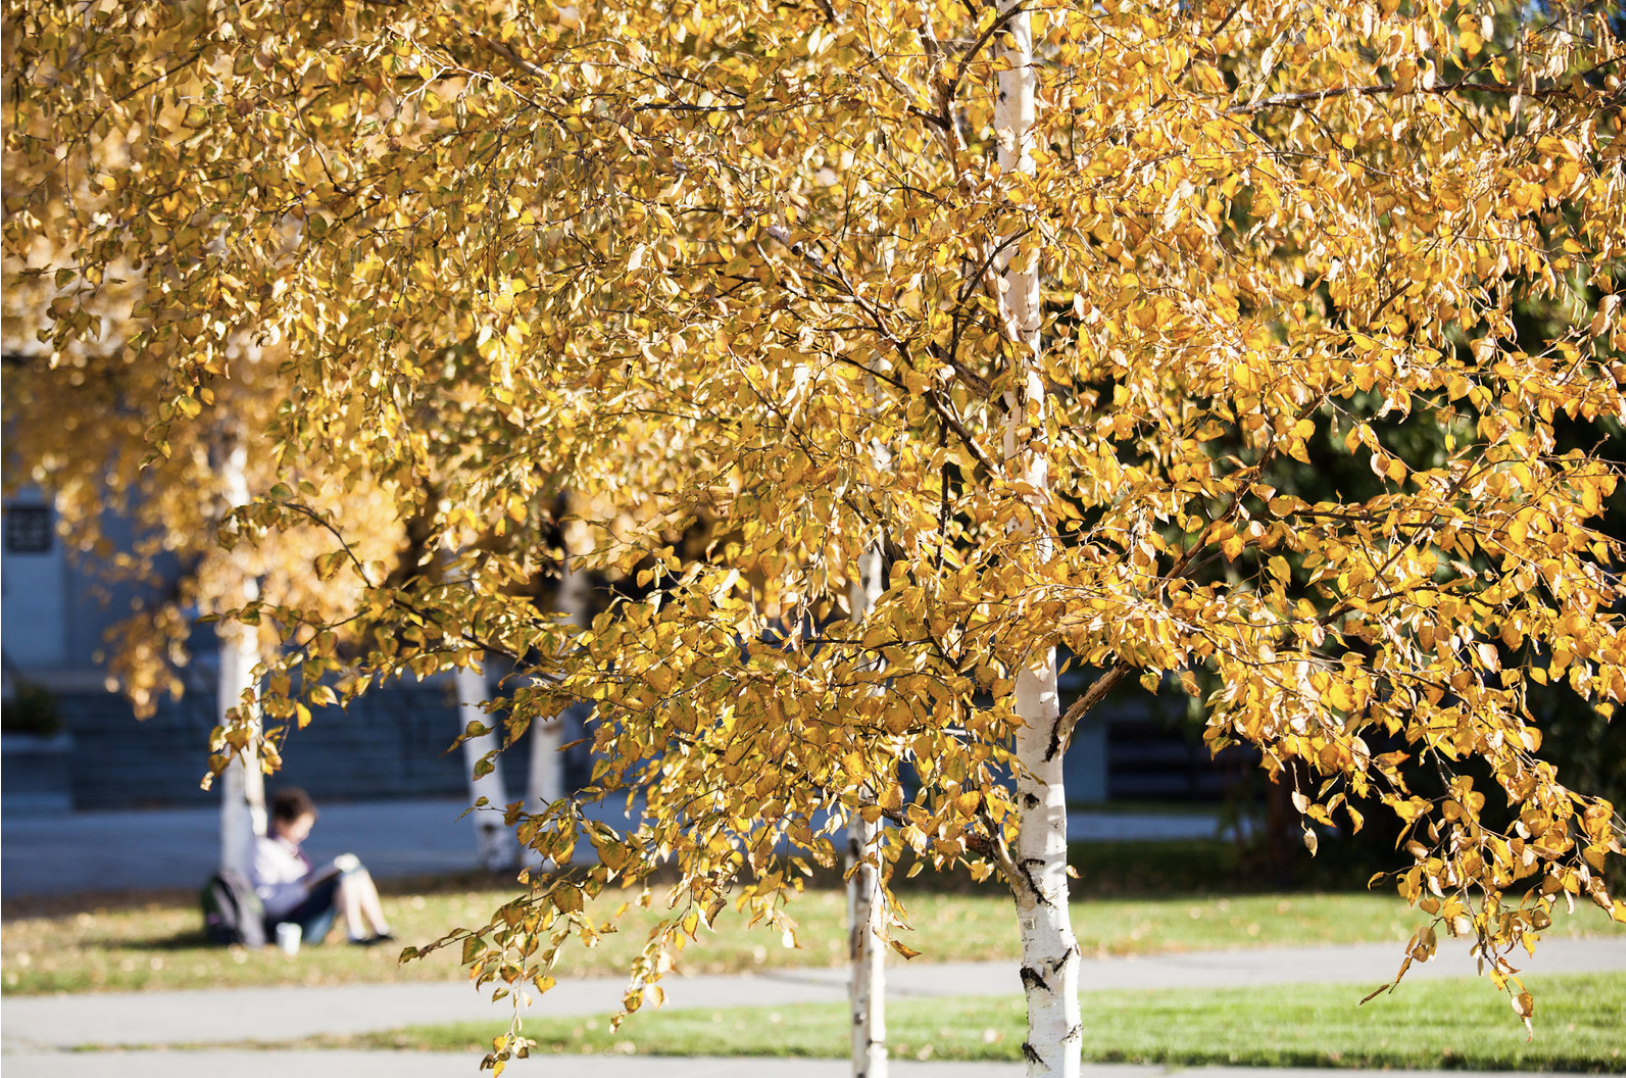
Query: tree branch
(970,55)
(1306,97)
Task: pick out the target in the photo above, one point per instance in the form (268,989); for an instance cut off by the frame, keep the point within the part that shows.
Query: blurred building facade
(72,742)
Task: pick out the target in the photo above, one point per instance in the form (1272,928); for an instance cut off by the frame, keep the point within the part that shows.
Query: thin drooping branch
(1309,97)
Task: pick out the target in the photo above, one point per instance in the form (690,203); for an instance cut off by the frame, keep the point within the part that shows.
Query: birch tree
(80,424)
(866,859)
(81,440)
(1136,257)
(1039,874)
(487,790)
(573,598)
(242,793)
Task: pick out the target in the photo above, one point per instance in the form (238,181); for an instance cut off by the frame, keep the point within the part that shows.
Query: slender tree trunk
(547,780)
(497,845)
(242,790)
(1049,950)
(865,909)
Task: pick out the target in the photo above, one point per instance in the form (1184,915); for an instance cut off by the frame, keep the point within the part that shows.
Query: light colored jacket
(280,868)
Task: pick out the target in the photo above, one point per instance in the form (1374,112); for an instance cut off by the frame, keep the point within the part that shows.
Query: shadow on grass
(1170,869)
(1194,867)
(190,939)
(99,902)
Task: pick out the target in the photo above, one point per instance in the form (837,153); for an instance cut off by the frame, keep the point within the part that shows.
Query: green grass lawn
(1133,899)
(1580,1025)
(160,946)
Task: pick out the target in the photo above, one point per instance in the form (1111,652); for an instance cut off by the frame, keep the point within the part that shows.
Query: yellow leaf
(907,952)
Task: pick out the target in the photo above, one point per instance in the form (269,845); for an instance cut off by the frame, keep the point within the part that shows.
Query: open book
(341,864)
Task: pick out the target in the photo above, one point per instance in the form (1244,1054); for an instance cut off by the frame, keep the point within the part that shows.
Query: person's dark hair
(290,803)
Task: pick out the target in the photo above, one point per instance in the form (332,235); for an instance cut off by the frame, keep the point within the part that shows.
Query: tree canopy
(1044,300)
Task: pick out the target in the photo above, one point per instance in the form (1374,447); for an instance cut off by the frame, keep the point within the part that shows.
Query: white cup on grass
(288,935)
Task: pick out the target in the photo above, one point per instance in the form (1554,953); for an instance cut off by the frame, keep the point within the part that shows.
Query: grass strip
(161,946)
(1133,898)
(1580,1026)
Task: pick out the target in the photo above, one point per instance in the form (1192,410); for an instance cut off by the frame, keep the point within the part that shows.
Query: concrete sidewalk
(283,1014)
(251,1064)
(167,848)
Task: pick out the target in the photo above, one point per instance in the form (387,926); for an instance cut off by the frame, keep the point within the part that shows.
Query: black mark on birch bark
(1054,748)
(1025,866)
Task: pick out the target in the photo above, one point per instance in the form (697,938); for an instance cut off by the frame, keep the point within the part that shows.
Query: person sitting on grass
(295,893)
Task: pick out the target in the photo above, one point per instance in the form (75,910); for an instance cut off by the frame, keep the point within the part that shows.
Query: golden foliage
(695,261)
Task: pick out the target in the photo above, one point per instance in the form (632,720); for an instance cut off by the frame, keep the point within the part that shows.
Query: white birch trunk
(242,790)
(1049,951)
(498,848)
(865,909)
(547,780)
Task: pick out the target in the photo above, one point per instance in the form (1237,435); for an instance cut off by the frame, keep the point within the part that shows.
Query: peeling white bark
(1049,950)
(498,848)
(242,789)
(1050,961)
(865,908)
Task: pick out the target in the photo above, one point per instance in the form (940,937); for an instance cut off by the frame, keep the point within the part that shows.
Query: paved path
(281,1014)
(107,851)
(250,1064)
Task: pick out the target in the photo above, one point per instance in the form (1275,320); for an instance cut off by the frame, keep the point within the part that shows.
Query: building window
(28,529)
